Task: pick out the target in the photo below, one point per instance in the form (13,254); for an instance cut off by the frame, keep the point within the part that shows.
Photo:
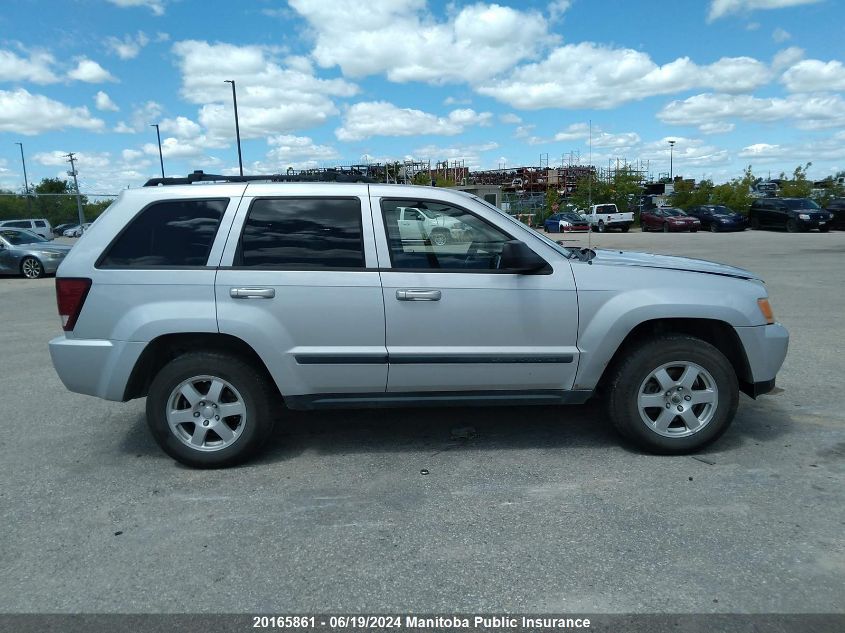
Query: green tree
(736,193)
(421,178)
(798,186)
(689,195)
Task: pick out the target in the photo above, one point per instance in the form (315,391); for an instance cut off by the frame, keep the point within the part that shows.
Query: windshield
(572,217)
(801,203)
(15,238)
(721,209)
(673,212)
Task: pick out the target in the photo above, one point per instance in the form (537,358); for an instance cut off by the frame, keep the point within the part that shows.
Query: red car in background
(668,219)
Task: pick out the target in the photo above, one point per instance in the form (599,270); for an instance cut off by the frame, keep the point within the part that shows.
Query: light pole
(25,181)
(72,172)
(671,170)
(160,157)
(237,125)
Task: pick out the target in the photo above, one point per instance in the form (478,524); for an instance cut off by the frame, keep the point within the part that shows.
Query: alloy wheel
(206,413)
(32,268)
(678,399)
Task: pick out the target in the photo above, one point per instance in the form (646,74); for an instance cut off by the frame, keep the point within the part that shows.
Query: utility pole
(160,157)
(72,172)
(671,170)
(237,125)
(25,182)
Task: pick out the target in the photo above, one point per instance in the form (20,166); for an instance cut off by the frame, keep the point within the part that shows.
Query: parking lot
(501,509)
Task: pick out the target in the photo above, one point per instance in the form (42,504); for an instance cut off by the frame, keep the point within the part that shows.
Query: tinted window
(303,233)
(169,233)
(452,238)
(19,224)
(606,208)
(40,223)
(801,203)
(15,237)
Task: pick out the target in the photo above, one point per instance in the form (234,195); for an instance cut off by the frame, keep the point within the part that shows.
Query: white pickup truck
(606,216)
(427,224)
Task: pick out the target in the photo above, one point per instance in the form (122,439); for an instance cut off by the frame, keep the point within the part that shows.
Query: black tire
(714,228)
(665,227)
(643,227)
(755,224)
(259,398)
(602,228)
(693,230)
(792,226)
(639,362)
(31,268)
(824,229)
(625,228)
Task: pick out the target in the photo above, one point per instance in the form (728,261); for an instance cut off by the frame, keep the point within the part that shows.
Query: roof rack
(200,176)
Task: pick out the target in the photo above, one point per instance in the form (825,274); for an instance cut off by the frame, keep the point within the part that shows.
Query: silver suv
(222,303)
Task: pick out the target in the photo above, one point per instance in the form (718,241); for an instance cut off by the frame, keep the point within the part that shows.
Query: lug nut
(216,417)
(687,398)
(205,422)
(668,406)
(196,414)
(202,403)
(680,408)
(214,405)
(680,388)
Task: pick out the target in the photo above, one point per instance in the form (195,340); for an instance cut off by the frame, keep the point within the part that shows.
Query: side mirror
(517,257)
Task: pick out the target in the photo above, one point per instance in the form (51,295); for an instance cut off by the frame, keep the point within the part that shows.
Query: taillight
(70,295)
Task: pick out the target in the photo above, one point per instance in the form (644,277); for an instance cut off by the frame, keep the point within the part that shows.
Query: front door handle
(418,295)
(252,293)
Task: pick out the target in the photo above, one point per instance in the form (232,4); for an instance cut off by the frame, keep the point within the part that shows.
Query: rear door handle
(252,293)
(418,295)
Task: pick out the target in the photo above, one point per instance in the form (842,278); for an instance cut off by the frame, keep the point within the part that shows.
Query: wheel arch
(167,347)
(719,334)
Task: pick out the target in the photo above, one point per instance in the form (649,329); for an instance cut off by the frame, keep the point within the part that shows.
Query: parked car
(77,230)
(25,253)
(606,216)
(792,214)
(568,222)
(59,230)
(424,223)
(218,302)
(668,219)
(717,217)
(836,208)
(39,226)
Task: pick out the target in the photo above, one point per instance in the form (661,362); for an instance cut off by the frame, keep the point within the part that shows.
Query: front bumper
(765,349)
(95,367)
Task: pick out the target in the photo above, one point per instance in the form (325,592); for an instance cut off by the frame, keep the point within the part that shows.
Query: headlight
(829,216)
(50,254)
(804,216)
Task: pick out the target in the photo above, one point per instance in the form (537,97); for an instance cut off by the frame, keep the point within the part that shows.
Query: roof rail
(200,176)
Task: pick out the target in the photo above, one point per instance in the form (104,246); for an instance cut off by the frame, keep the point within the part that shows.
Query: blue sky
(322,83)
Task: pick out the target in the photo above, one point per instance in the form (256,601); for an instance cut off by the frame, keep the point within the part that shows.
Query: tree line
(53,199)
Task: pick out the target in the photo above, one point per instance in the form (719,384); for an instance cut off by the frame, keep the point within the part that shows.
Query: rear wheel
(209,410)
(755,224)
(714,228)
(31,268)
(673,394)
(439,238)
(625,228)
(665,227)
(792,226)
(824,229)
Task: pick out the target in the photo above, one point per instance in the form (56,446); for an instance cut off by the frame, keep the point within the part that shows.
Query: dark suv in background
(793,214)
(836,208)
(717,217)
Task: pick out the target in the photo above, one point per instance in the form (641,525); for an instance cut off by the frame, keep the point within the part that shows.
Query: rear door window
(303,234)
(167,234)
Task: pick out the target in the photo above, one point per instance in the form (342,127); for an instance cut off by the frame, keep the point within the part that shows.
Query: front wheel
(824,229)
(714,228)
(602,227)
(31,268)
(665,227)
(673,394)
(792,226)
(439,238)
(625,228)
(207,409)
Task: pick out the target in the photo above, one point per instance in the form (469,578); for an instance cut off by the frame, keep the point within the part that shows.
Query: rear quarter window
(167,234)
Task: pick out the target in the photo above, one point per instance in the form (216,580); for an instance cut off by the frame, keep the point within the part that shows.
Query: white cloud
(813,75)
(104,102)
(36,67)
(456,101)
(180,127)
(101,172)
(272,98)
(129,46)
(299,152)
(510,118)
(401,39)
(808,112)
(588,75)
(716,127)
(156,6)
(142,117)
(380,118)
(616,141)
(780,35)
(24,113)
(470,155)
(557,8)
(687,152)
(816,149)
(721,8)
(787,57)
(172,147)
(90,72)
(574,132)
